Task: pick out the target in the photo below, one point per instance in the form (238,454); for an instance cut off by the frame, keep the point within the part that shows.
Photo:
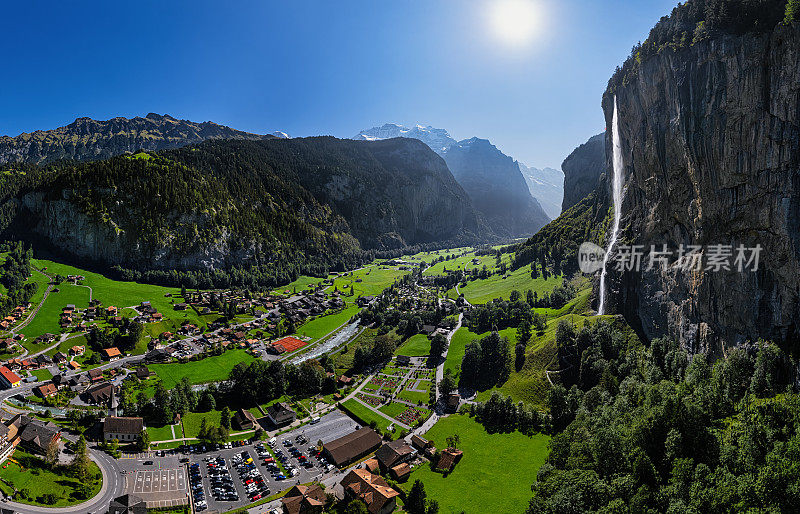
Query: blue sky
(308,67)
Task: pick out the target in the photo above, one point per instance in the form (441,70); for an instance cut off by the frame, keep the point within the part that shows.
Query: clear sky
(531,86)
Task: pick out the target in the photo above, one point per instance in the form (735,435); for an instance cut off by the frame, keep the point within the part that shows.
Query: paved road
(113,486)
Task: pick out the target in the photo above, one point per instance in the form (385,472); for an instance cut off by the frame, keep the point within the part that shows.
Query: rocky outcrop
(711,142)
(496,187)
(582,169)
(88,139)
(495,182)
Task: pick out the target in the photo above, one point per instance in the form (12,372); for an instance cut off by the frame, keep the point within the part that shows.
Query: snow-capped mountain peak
(438,139)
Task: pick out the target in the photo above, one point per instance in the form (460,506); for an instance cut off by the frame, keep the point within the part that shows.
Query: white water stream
(616,189)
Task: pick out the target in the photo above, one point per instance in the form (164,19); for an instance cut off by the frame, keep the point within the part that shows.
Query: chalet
(401,472)
(77,350)
(111,310)
(95,375)
(420,443)
(46,390)
(112,354)
(373,490)
(344,381)
(142,373)
(394,453)
(30,433)
(280,414)
(124,430)
(352,447)
(448,459)
(302,499)
(43,360)
(73,365)
(372,465)
(9,378)
(365,301)
(60,357)
(59,381)
(100,394)
(158,355)
(245,420)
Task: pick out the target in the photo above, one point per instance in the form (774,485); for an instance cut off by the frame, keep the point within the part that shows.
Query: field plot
(210,369)
(489,460)
(417,345)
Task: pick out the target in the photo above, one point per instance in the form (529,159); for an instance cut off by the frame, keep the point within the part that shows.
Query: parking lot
(168,479)
(161,484)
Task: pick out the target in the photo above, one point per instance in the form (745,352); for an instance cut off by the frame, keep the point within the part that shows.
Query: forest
(653,429)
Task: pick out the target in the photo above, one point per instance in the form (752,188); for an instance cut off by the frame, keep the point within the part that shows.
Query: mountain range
(276,207)
(88,139)
(491,178)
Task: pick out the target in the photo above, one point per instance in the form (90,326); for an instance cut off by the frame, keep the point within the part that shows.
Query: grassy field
(530,384)
(33,476)
(322,326)
(366,416)
(494,475)
(461,262)
(163,433)
(47,320)
(126,294)
(460,340)
(373,280)
(484,290)
(192,420)
(211,369)
(415,346)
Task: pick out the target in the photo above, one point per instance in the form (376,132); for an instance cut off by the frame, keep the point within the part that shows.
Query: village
(355,457)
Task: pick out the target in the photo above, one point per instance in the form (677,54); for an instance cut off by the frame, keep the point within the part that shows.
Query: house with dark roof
(100,394)
(393,453)
(303,499)
(124,430)
(280,414)
(371,489)
(352,447)
(448,459)
(31,434)
(95,375)
(420,443)
(245,420)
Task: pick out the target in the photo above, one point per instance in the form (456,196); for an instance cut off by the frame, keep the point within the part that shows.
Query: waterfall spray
(616,189)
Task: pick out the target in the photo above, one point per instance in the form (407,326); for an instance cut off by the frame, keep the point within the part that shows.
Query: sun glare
(514,22)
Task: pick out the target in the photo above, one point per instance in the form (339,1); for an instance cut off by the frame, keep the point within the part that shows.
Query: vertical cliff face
(710,138)
(582,169)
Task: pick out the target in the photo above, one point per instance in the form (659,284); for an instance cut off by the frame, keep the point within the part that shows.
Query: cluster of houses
(15,315)
(299,307)
(11,344)
(366,482)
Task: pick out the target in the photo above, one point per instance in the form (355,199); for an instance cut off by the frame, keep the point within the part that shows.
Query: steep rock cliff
(582,169)
(711,143)
(496,187)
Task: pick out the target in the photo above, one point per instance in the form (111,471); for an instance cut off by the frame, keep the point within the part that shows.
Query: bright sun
(515,22)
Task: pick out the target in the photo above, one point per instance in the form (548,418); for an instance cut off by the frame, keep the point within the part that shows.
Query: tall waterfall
(616,189)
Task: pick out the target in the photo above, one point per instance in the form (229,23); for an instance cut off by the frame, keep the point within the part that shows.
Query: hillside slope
(295,205)
(87,139)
